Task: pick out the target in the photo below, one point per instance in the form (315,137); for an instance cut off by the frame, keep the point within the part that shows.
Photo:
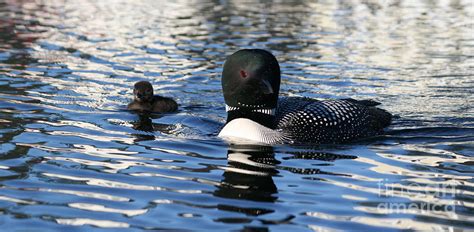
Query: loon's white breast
(245,130)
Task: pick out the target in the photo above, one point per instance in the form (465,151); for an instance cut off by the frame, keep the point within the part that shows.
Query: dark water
(73,158)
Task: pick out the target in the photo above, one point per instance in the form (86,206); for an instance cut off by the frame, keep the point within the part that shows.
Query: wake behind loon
(251,83)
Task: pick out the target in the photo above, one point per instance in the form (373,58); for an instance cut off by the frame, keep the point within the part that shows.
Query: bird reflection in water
(249,176)
(249,173)
(145,124)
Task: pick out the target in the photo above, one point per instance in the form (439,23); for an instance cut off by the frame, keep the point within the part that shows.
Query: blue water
(72,157)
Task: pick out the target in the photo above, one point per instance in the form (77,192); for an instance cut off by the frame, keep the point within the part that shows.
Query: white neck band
(263,111)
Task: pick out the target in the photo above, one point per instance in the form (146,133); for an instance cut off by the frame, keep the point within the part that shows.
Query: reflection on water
(72,156)
(249,174)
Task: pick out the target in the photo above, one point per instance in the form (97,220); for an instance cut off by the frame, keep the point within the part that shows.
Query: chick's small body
(144,100)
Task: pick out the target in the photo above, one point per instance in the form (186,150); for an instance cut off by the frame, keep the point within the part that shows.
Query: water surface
(72,157)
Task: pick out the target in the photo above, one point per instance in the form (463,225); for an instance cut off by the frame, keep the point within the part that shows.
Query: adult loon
(144,100)
(251,83)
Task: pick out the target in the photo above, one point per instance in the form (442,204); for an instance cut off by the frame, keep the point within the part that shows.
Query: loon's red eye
(243,73)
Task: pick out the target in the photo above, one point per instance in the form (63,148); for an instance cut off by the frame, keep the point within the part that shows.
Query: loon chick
(251,83)
(144,100)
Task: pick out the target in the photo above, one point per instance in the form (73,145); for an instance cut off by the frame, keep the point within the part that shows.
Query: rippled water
(72,157)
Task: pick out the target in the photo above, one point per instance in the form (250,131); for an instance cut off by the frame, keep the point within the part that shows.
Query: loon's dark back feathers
(363,102)
(307,120)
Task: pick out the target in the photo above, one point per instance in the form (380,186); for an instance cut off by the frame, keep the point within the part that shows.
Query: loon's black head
(251,79)
(143,91)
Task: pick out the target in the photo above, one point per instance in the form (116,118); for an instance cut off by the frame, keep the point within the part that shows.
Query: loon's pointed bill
(251,84)
(266,87)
